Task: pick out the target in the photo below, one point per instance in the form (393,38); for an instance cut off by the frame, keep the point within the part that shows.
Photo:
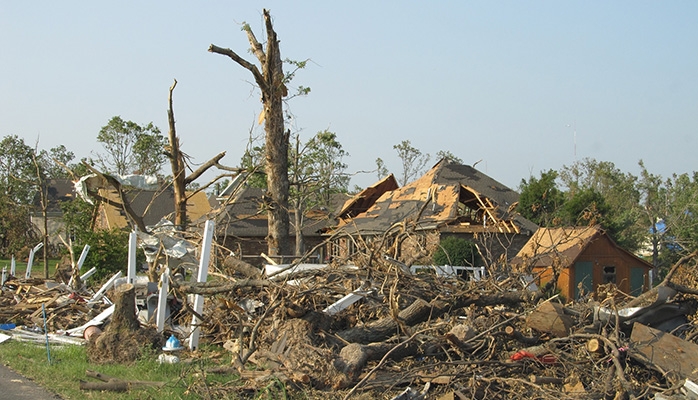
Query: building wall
(55,226)
(249,250)
(600,253)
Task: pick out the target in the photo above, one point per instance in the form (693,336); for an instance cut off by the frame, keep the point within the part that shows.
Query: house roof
(59,190)
(244,215)
(439,199)
(563,245)
(154,205)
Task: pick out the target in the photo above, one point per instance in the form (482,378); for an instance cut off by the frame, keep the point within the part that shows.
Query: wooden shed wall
(599,253)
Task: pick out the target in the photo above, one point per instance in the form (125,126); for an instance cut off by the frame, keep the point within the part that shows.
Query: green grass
(186,380)
(37,267)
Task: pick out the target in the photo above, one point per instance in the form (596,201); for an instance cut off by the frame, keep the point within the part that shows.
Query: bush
(108,252)
(457,252)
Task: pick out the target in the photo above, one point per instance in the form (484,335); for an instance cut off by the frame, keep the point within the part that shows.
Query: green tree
(585,207)
(381,169)
(540,199)
(131,148)
(317,172)
(316,169)
(17,189)
(17,172)
(619,211)
(441,154)
(655,211)
(108,251)
(412,160)
(682,216)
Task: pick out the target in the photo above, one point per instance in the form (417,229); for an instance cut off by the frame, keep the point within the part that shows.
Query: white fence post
(162,300)
(132,239)
(203,275)
(33,251)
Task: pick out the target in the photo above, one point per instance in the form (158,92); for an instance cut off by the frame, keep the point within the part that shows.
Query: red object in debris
(545,359)
(521,354)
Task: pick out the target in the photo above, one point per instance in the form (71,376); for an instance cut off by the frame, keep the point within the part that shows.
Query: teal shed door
(637,280)
(584,274)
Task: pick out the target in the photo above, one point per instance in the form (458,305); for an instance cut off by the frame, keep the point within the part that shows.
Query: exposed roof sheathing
(563,244)
(446,187)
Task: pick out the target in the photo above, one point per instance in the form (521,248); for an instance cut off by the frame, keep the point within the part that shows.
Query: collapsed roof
(449,197)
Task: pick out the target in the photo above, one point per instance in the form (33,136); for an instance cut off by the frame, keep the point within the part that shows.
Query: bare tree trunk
(178,172)
(43,191)
(298,228)
(271,83)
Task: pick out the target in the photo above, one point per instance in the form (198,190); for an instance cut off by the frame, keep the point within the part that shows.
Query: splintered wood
(475,340)
(412,336)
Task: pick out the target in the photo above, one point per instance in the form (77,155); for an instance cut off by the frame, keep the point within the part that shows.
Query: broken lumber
(666,351)
(113,384)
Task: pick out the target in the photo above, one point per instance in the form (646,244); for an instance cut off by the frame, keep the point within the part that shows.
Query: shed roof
(562,245)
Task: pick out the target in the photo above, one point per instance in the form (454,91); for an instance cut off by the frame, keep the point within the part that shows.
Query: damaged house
(583,258)
(242,226)
(152,205)
(448,200)
(58,192)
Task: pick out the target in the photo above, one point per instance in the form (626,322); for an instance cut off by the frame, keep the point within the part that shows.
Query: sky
(521,87)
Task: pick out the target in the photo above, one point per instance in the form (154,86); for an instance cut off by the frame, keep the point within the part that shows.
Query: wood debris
(412,336)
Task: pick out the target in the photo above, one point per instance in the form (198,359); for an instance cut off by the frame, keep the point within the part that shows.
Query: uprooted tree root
(123,340)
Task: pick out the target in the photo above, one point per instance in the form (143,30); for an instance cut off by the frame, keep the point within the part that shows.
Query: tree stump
(124,317)
(123,338)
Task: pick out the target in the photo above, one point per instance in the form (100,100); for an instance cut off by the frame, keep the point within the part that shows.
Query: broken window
(609,274)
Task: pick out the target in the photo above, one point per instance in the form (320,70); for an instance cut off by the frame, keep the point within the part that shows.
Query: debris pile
(424,336)
(378,330)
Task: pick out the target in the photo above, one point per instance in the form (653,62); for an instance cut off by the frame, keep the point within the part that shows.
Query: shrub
(458,252)
(108,252)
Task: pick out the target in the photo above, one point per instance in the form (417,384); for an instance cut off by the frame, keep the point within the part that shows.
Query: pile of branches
(423,336)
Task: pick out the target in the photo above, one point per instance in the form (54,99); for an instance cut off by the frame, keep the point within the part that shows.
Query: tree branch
(244,63)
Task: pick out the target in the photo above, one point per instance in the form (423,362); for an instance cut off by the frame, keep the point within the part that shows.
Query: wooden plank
(670,353)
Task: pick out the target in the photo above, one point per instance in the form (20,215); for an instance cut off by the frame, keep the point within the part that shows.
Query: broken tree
(271,83)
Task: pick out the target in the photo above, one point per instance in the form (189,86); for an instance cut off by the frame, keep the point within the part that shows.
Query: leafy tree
(457,251)
(16,229)
(412,159)
(78,217)
(540,198)
(655,210)
(620,210)
(381,169)
(682,216)
(108,251)
(17,172)
(131,148)
(441,154)
(585,207)
(317,172)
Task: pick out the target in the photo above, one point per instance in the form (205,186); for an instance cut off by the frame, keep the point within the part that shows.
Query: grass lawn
(37,267)
(186,380)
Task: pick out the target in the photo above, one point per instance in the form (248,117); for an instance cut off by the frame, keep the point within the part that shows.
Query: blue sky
(505,82)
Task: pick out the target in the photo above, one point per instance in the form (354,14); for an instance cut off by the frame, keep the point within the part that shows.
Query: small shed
(585,257)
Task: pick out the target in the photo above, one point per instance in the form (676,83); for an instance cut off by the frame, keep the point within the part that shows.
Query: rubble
(374,329)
